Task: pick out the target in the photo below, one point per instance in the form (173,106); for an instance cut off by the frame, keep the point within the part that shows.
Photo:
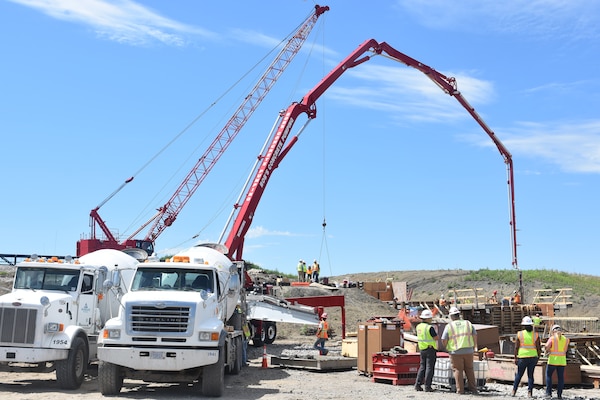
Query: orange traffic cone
(264,360)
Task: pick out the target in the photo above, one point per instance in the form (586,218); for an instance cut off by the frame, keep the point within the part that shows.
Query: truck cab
(181,321)
(52,317)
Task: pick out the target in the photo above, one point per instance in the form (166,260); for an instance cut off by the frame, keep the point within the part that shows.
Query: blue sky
(96,91)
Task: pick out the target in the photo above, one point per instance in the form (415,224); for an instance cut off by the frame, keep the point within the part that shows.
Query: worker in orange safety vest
(322,335)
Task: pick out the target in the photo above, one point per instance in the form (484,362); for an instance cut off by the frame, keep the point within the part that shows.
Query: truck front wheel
(236,368)
(110,378)
(70,372)
(213,377)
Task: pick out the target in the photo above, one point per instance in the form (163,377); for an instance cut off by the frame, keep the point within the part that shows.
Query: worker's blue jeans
(560,375)
(320,345)
(523,364)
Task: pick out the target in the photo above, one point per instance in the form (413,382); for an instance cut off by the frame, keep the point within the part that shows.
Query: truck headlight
(53,327)
(205,336)
(111,333)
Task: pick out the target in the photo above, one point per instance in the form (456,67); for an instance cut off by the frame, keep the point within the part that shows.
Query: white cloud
(573,19)
(261,231)
(573,146)
(123,21)
(408,94)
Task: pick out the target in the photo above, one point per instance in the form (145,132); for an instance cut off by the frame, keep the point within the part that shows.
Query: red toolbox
(398,369)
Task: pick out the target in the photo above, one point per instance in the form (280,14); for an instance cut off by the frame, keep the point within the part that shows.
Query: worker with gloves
(427,341)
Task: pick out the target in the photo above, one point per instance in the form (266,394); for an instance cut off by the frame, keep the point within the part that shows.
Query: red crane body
(167,214)
(279,145)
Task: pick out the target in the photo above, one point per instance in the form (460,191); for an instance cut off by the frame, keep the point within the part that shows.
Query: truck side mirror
(116,278)
(107,285)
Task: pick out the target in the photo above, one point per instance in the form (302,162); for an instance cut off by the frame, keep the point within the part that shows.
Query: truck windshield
(46,278)
(173,279)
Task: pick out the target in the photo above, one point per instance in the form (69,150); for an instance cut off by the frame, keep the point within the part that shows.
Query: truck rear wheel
(270,332)
(213,377)
(267,335)
(110,378)
(70,372)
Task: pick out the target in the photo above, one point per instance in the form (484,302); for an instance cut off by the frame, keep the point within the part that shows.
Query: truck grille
(163,320)
(17,325)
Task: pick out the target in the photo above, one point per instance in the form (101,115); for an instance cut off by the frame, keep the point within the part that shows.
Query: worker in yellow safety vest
(527,352)
(460,340)
(300,269)
(556,348)
(427,341)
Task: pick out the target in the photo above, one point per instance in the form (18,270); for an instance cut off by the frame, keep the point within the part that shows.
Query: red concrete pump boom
(167,214)
(279,145)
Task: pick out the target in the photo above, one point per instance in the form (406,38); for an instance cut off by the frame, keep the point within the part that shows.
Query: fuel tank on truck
(212,256)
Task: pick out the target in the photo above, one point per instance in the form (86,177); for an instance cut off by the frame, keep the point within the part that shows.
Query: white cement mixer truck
(180,322)
(51,319)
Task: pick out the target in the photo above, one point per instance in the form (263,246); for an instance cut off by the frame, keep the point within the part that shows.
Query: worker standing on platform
(556,348)
(460,340)
(316,268)
(427,338)
(527,352)
(300,271)
(304,271)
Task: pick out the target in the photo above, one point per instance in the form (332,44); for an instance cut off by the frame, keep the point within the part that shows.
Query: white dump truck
(57,307)
(181,321)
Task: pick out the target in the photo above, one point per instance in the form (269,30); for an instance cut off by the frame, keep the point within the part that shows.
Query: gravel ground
(256,382)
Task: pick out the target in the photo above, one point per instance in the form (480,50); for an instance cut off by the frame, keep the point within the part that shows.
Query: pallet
(399,379)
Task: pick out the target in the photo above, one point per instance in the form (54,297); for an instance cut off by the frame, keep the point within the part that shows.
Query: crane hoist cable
(324,244)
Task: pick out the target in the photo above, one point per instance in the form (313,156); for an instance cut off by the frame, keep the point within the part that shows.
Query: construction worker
(556,348)
(303,271)
(460,340)
(537,321)
(494,298)
(516,298)
(427,342)
(300,271)
(527,353)
(316,268)
(322,335)
(309,273)
(247,333)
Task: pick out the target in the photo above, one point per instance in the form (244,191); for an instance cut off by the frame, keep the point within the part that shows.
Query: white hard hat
(426,314)
(527,321)
(454,310)
(324,315)
(556,328)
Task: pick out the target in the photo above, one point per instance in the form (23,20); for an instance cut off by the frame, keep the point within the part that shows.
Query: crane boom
(279,145)
(167,214)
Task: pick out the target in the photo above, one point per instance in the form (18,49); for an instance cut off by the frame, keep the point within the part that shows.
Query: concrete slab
(319,363)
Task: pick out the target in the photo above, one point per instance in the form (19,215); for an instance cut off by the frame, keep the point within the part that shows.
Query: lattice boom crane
(167,214)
